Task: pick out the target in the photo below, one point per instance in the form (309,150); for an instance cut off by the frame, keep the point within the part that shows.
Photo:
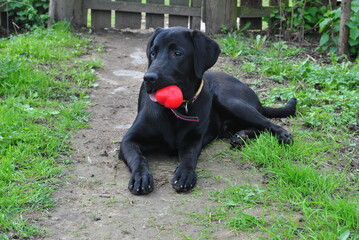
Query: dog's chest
(174,131)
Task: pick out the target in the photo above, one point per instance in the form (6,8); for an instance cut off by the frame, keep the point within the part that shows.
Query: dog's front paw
(285,138)
(184,179)
(141,182)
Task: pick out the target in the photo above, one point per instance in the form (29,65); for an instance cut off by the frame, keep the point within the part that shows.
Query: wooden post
(256,23)
(80,13)
(154,20)
(63,10)
(70,10)
(220,13)
(343,45)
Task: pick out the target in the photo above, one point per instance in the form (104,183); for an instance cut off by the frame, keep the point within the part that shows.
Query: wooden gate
(131,13)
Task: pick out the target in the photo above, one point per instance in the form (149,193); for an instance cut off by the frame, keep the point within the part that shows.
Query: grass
(42,100)
(299,196)
(309,189)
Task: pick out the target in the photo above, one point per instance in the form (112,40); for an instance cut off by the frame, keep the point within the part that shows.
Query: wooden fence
(187,13)
(159,13)
(130,13)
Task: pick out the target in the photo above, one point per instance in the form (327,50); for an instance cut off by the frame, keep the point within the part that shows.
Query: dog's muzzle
(150,79)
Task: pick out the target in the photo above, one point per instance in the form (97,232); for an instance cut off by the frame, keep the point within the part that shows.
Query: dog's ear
(150,42)
(206,52)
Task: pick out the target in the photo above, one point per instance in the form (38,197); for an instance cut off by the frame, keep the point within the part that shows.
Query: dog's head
(178,56)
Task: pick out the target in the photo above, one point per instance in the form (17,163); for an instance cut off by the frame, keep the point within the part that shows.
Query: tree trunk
(343,45)
(69,10)
(51,13)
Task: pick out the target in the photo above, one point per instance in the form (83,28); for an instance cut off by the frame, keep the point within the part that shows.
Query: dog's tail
(287,111)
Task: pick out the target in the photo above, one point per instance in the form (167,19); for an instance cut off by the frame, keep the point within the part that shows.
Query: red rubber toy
(170,96)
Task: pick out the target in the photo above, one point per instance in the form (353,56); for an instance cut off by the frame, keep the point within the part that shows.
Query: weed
(234,44)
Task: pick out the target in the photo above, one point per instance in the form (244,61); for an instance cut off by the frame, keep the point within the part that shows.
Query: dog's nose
(150,77)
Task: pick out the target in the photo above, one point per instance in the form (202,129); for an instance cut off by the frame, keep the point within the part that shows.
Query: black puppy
(214,103)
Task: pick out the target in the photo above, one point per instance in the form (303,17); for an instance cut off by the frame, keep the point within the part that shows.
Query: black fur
(179,56)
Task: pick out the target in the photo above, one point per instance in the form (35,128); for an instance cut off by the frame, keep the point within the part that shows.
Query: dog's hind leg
(244,112)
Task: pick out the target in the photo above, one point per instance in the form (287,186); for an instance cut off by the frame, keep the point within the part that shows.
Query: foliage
(305,16)
(328,94)
(329,27)
(42,98)
(234,46)
(301,16)
(28,13)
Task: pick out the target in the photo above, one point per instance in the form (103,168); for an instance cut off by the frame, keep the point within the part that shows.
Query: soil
(94,203)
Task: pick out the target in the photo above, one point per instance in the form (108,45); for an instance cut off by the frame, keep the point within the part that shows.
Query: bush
(329,27)
(27,14)
(301,17)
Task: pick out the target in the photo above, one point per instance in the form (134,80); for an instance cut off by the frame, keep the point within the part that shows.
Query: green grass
(309,189)
(42,100)
(301,197)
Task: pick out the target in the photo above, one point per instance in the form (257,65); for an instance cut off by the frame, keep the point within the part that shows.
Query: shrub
(329,27)
(27,14)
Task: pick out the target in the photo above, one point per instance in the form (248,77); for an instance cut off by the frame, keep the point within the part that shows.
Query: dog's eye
(177,54)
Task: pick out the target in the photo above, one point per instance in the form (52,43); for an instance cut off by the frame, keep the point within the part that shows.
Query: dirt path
(95,203)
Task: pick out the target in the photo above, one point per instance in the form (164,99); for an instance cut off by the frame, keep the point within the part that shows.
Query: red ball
(170,96)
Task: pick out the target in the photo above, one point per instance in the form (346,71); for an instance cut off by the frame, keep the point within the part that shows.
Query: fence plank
(175,20)
(195,22)
(154,20)
(256,23)
(100,19)
(137,8)
(127,19)
(64,10)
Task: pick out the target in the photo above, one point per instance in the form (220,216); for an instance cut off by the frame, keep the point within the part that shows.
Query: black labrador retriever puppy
(214,103)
